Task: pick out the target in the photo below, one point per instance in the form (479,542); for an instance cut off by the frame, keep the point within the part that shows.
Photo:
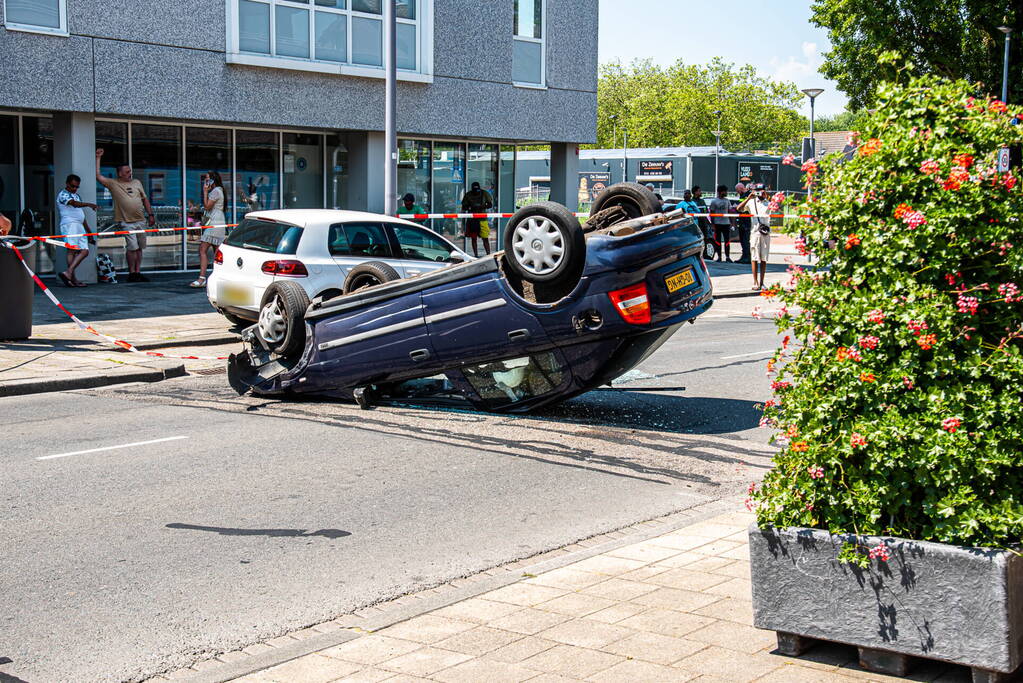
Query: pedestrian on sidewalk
(73,227)
(703,221)
(760,239)
(477,200)
(132,210)
(5,225)
(743,222)
(687,205)
(213,216)
(409,208)
(719,207)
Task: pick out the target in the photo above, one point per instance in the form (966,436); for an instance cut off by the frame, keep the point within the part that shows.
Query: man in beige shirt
(132,210)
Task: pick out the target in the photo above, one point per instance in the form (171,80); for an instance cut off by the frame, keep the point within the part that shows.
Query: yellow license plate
(235,295)
(680,280)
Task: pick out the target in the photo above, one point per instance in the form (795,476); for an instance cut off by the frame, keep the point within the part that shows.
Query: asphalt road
(236,519)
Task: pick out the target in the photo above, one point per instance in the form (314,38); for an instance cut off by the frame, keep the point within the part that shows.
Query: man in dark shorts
(743,222)
(476,200)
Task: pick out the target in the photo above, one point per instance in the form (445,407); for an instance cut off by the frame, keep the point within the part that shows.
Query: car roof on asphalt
(313,217)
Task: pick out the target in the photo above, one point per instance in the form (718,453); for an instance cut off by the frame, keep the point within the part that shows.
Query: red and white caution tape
(424,216)
(117,233)
(120,343)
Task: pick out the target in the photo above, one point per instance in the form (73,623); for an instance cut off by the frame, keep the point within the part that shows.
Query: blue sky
(775,36)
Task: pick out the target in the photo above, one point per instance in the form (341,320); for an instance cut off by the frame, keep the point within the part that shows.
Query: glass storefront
(10,173)
(448,186)
(337,172)
(414,171)
(206,150)
(506,201)
(156,163)
(40,199)
(256,178)
(112,138)
(303,170)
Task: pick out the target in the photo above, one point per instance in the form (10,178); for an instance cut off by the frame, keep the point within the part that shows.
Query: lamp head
(1005,29)
(812,92)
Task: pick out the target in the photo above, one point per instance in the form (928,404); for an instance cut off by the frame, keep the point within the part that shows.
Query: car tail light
(285,268)
(218,257)
(632,303)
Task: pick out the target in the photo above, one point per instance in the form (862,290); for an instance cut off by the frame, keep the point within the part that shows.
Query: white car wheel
(273,327)
(538,245)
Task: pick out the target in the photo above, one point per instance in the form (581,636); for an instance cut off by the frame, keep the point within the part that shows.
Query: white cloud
(804,72)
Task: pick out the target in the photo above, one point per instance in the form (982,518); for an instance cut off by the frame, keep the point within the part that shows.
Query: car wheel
(282,317)
(635,199)
(368,275)
(710,249)
(544,243)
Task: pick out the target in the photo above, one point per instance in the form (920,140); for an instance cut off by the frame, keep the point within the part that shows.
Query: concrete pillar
(565,174)
(74,151)
(366,172)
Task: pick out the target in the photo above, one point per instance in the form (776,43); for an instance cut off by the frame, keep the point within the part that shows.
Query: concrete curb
(91,380)
(735,294)
(212,339)
(309,640)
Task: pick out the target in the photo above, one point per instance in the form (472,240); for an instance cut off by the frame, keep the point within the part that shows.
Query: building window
(528,60)
(47,16)
(327,33)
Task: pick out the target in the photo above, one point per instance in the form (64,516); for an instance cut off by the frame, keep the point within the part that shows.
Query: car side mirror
(455,257)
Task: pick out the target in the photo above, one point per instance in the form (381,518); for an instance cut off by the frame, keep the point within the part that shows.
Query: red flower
(1009,182)
(967,304)
(876,316)
(857,440)
(964,160)
(792,431)
(880,552)
(800,446)
(809,168)
(1009,290)
(927,341)
(867,377)
(930,167)
(788,159)
(815,472)
(998,107)
(908,383)
(851,241)
(901,210)
(780,384)
(868,342)
(916,326)
(914,219)
(951,424)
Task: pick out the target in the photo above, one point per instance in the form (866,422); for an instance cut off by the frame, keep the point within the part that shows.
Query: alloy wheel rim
(538,245)
(272,325)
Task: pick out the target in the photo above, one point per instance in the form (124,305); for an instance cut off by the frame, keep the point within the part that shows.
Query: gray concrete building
(285,99)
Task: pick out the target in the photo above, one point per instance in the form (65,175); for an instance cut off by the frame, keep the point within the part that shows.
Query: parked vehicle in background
(323,252)
(563,309)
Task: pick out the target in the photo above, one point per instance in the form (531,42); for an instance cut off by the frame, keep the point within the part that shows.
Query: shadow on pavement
(271,533)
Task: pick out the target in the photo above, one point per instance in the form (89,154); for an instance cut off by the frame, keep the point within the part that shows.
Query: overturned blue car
(565,308)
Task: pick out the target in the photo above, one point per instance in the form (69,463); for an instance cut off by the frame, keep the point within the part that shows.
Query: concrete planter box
(930,600)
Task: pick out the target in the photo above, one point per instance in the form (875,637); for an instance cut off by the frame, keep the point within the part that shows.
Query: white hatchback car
(318,249)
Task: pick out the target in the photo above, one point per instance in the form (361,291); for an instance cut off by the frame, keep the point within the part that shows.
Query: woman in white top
(213,205)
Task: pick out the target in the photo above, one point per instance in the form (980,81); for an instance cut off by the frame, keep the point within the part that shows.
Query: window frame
(541,41)
(423,24)
(416,229)
(33,28)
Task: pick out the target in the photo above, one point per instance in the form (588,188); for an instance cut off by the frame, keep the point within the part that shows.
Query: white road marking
(743,355)
(110,448)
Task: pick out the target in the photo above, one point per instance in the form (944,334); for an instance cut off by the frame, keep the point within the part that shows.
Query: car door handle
(518,335)
(412,273)
(419,355)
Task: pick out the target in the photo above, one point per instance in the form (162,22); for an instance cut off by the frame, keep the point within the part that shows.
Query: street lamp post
(717,150)
(812,93)
(625,153)
(1005,63)
(390,109)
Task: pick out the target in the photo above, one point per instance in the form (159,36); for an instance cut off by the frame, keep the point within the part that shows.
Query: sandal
(65,279)
(199,282)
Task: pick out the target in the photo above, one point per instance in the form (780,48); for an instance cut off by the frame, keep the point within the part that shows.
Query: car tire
(368,275)
(282,318)
(635,199)
(544,243)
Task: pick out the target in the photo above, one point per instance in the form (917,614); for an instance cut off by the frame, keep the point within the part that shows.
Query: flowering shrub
(904,378)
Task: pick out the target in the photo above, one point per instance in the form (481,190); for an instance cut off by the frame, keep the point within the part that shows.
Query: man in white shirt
(73,227)
(760,237)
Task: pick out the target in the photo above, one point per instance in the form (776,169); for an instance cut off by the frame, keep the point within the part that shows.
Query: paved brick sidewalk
(673,607)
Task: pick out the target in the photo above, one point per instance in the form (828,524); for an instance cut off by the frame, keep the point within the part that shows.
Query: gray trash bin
(16,291)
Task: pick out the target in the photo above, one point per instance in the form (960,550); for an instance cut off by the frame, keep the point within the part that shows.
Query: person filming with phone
(756,204)
(213,222)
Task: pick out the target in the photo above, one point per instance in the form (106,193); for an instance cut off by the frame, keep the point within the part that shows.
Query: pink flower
(766,422)
(857,440)
(908,383)
(751,504)
(757,312)
(778,385)
(801,247)
(967,304)
(951,424)
(876,316)
(916,326)
(930,167)
(1010,291)
(1009,182)
(914,219)
(880,552)
(815,472)
(752,488)
(868,342)
(788,159)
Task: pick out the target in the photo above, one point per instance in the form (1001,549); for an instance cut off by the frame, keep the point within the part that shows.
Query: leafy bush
(899,397)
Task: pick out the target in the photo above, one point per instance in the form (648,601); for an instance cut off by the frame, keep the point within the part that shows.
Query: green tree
(846,120)
(674,105)
(950,38)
